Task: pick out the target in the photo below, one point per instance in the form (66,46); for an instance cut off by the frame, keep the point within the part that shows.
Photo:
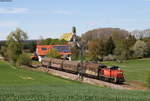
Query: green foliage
(119,49)
(24,59)
(123,48)
(116,42)
(131,41)
(3,51)
(53,53)
(147,41)
(109,46)
(18,35)
(29,46)
(75,53)
(148,49)
(126,49)
(96,50)
(14,47)
(13,51)
(50,41)
(140,49)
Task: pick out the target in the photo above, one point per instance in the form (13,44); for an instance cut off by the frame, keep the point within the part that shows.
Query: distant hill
(141,33)
(105,33)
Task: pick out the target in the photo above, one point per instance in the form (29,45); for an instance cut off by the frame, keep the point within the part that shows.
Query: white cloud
(13,10)
(9,24)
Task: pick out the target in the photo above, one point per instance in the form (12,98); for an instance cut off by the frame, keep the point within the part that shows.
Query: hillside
(105,33)
(18,84)
(135,70)
(10,75)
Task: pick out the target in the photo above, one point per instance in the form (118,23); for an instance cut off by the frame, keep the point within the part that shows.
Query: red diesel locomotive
(99,71)
(112,74)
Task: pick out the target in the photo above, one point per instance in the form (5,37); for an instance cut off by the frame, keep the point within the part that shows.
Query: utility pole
(79,46)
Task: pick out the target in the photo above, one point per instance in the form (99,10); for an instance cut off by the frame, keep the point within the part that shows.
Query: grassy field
(134,70)
(10,75)
(24,85)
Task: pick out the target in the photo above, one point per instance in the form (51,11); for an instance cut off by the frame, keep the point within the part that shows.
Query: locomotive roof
(114,67)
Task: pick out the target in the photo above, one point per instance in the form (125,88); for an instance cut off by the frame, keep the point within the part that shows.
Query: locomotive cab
(114,68)
(102,66)
(117,74)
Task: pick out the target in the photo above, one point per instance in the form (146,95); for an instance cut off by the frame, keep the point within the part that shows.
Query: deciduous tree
(96,50)
(14,44)
(140,49)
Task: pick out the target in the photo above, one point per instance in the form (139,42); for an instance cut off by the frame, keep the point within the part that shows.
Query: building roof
(66,36)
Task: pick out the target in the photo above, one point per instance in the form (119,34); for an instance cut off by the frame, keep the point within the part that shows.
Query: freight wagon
(98,71)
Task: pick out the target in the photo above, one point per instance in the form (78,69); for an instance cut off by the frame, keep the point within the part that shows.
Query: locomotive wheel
(106,79)
(111,80)
(103,78)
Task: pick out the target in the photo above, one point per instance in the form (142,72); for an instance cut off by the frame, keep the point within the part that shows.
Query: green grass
(70,93)
(43,87)
(134,70)
(10,75)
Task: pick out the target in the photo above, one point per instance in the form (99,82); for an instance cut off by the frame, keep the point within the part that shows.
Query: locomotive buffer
(79,46)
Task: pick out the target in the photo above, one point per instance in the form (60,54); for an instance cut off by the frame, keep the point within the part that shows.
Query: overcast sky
(51,18)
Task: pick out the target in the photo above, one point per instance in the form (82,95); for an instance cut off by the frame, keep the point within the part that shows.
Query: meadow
(18,84)
(134,70)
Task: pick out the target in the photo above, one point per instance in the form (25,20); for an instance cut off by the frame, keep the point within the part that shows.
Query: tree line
(17,49)
(113,44)
(99,44)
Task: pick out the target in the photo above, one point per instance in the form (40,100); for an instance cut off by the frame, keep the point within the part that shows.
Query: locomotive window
(44,49)
(114,67)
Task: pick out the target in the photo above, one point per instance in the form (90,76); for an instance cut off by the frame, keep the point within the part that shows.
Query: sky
(52,18)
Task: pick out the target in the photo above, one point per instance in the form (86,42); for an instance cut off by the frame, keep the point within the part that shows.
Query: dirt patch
(138,85)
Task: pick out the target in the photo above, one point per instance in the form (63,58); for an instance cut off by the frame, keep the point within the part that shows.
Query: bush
(75,53)
(53,53)
(3,52)
(140,49)
(23,59)
(109,58)
(148,79)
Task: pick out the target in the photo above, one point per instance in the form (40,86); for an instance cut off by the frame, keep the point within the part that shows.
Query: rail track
(84,79)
